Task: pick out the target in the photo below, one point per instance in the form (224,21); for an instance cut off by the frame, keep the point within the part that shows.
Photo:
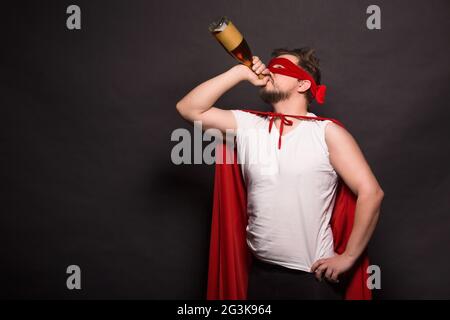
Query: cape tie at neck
(284,121)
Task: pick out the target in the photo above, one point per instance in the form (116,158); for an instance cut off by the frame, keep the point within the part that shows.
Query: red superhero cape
(229,256)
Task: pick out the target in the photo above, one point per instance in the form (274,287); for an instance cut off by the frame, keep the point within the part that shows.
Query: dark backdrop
(86,120)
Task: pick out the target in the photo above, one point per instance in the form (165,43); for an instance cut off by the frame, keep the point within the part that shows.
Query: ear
(303,85)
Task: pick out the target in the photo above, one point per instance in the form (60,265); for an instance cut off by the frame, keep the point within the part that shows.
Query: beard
(273,96)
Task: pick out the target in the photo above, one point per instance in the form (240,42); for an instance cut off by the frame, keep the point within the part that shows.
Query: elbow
(181,109)
(375,193)
(187,112)
(379,199)
(379,194)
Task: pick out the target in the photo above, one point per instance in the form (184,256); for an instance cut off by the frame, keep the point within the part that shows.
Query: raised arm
(197,105)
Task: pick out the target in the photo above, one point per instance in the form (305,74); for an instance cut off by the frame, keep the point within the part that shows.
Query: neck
(295,105)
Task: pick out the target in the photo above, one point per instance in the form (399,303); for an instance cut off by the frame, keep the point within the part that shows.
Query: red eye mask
(290,69)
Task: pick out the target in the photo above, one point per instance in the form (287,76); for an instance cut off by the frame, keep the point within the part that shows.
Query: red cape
(229,256)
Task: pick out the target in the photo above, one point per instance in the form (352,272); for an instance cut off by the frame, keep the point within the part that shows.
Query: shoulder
(246,119)
(323,123)
(334,132)
(329,125)
(334,129)
(337,137)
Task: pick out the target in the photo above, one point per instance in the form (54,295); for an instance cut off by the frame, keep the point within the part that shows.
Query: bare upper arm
(348,160)
(218,119)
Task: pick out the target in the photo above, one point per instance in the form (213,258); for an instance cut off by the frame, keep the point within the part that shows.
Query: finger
(319,272)
(255,59)
(318,275)
(263,81)
(266,71)
(334,276)
(260,68)
(316,265)
(256,65)
(329,273)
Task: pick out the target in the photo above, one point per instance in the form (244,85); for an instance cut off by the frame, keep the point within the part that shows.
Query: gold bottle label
(230,37)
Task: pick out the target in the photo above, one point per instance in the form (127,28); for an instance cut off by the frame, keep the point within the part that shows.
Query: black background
(87,117)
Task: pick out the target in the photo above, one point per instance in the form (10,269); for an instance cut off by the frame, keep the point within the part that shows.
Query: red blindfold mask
(290,69)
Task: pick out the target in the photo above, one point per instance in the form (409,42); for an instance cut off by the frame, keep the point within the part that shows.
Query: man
(291,195)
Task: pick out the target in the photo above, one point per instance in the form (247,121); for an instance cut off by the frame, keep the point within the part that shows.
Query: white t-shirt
(290,191)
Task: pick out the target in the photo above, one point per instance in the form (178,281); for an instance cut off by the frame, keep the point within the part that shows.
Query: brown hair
(307,60)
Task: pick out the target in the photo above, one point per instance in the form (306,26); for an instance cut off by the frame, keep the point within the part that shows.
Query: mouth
(270,80)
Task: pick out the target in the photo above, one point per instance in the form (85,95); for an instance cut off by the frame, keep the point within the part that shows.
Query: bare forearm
(202,97)
(367,211)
